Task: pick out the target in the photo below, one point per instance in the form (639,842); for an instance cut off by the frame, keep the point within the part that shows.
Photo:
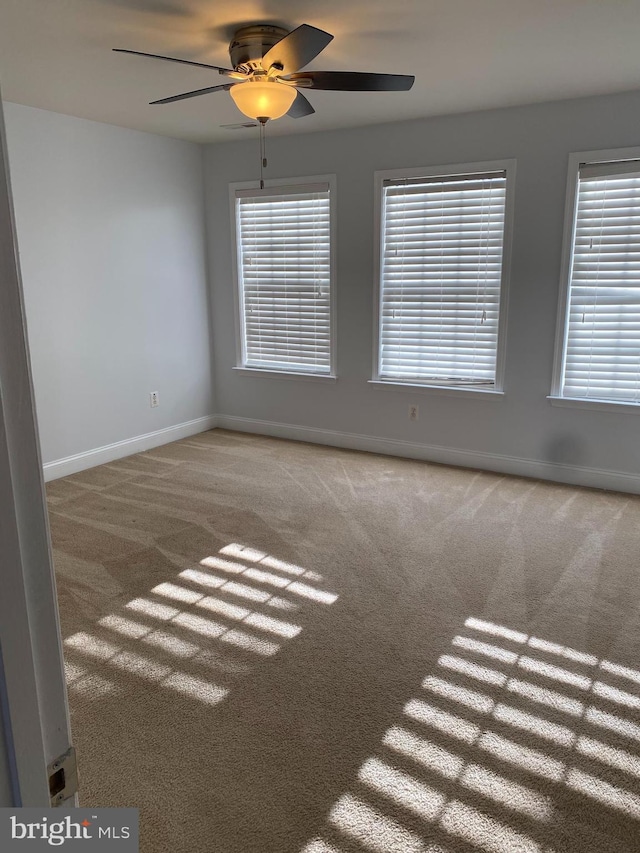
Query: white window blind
(602,345)
(441,270)
(284,266)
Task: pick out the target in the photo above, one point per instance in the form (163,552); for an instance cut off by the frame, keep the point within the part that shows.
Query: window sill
(283,374)
(595,405)
(446,390)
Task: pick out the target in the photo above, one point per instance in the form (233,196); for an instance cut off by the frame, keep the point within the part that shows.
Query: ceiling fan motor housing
(250,44)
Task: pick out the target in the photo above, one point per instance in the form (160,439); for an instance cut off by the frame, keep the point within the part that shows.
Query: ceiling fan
(266,72)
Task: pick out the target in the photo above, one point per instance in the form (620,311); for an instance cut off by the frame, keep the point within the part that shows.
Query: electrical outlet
(153,399)
(414,412)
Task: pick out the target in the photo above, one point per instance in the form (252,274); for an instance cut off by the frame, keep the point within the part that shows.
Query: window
(442,277)
(284,272)
(600,310)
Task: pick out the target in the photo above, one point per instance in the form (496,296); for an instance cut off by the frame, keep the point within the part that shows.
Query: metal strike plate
(63,777)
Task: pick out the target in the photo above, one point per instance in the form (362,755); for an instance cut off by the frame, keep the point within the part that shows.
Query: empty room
(319,401)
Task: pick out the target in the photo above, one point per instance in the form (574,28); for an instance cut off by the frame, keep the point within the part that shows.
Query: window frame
(268,372)
(496,391)
(556,398)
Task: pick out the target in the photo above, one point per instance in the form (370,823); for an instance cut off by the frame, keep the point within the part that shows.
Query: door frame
(34,712)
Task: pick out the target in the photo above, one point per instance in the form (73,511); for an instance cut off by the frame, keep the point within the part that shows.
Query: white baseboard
(110,452)
(576,475)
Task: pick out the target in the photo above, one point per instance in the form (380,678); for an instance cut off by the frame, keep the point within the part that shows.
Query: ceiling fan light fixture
(263,99)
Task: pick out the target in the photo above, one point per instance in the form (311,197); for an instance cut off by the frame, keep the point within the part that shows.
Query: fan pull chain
(263,152)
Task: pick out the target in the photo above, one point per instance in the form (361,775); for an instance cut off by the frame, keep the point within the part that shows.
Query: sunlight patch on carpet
(458,764)
(456,693)
(138,639)
(473,670)
(485,649)
(375,831)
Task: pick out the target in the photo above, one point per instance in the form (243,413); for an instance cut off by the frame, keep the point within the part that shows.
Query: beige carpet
(280,648)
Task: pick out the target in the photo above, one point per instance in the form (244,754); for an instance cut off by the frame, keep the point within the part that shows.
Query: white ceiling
(466,55)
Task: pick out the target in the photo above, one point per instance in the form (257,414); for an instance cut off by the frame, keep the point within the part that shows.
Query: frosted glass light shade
(263,98)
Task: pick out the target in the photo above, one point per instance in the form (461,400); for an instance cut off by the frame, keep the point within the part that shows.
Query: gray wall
(523,425)
(110,227)
(111,234)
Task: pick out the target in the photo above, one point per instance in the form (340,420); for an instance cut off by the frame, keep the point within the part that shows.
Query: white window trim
(596,405)
(262,373)
(556,398)
(443,390)
(509,167)
(238,316)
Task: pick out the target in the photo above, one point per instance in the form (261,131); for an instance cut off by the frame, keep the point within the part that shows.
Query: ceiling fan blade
(300,107)
(240,125)
(194,94)
(296,49)
(172,59)
(353,81)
